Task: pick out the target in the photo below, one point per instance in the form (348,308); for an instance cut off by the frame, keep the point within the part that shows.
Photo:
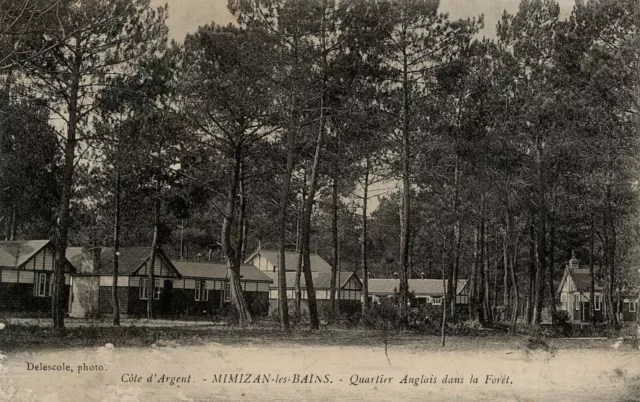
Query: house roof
(321,280)
(74,255)
(130,259)
(291,260)
(581,279)
(14,254)
(427,287)
(207,270)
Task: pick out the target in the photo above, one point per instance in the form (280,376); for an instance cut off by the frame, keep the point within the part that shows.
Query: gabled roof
(207,270)
(581,278)
(74,255)
(13,254)
(291,260)
(129,261)
(321,280)
(582,281)
(420,287)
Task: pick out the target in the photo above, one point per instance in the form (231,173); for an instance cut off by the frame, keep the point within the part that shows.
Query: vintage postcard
(319,200)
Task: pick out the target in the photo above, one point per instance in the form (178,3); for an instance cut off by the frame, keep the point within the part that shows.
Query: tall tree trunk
(541,234)
(456,265)
(242,217)
(592,284)
(443,329)
(505,259)
(486,306)
(481,271)
(514,283)
(152,261)
(237,296)
(116,252)
(496,267)
(14,221)
(306,222)
(334,238)
(297,285)
(474,274)
(532,271)
(551,256)
(363,244)
(64,217)
(306,225)
(298,278)
(612,281)
(405,228)
(285,189)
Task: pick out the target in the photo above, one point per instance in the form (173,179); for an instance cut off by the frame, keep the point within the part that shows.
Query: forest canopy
(385,136)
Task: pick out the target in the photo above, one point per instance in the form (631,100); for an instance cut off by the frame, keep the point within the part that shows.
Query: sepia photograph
(318,200)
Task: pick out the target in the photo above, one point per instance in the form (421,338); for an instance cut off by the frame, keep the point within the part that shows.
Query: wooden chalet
(181,287)
(27,277)
(423,291)
(205,288)
(574,292)
(349,296)
(92,283)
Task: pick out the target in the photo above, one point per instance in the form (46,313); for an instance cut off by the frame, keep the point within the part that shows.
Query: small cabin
(27,276)
(205,288)
(92,284)
(424,292)
(181,287)
(574,292)
(349,297)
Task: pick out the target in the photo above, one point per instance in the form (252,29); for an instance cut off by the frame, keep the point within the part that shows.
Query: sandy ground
(604,374)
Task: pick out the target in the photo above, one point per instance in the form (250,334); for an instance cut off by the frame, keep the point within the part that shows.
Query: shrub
(562,323)
(426,319)
(259,306)
(382,317)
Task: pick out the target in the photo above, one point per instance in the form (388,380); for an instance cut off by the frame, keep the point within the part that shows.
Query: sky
(186,16)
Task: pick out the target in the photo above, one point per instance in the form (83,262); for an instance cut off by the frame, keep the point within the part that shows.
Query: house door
(167,297)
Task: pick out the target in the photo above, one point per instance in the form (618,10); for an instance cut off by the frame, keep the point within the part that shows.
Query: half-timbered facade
(574,292)
(349,297)
(92,284)
(27,277)
(423,291)
(205,288)
(181,287)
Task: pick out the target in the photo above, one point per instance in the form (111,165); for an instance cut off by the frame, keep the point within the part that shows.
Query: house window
(227,292)
(563,297)
(143,289)
(597,302)
(43,285)
(577,301)
(201,291)
(632,306)
(436,301)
